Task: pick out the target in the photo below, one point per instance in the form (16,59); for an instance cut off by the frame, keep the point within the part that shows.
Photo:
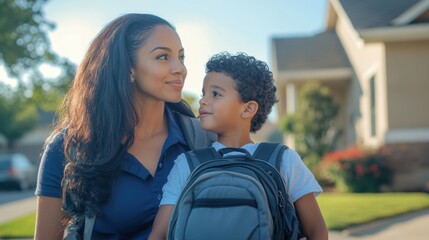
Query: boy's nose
(202,102)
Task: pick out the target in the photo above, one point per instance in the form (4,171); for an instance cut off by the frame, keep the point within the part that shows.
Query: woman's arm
(310,217)
(49,218)
(160,225)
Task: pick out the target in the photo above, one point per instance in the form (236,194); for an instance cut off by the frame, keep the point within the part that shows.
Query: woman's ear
(250,109)
(132,75)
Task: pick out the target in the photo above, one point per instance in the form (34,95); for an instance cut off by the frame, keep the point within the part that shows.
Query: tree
(314,117)
(24,44)
(47,94)
(24,47)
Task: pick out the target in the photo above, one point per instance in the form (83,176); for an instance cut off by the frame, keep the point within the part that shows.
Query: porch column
(291,102)
(290,98)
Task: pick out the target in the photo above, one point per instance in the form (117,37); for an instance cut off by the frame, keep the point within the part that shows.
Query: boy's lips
(203,113)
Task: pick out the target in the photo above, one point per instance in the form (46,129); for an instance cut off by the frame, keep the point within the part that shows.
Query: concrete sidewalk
(408,226)
(10,211)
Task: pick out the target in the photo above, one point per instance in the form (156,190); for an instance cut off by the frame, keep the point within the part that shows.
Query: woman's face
(159,72)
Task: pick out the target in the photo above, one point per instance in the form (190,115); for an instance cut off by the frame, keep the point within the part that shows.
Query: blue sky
(205,26)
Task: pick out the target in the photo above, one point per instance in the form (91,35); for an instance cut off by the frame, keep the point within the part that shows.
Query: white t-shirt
(299,180)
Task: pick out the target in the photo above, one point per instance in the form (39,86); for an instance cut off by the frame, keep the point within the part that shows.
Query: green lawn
(20,228)
(340,210)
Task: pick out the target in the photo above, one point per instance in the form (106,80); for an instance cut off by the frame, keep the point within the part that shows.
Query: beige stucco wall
(367,60)
(407,67)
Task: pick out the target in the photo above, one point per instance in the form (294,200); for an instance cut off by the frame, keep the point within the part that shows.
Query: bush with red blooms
(354,170)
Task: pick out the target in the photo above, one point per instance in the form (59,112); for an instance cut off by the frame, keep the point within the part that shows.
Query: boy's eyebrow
(166,49)
(218,87)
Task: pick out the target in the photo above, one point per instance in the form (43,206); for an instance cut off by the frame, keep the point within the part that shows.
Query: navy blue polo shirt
(136,195)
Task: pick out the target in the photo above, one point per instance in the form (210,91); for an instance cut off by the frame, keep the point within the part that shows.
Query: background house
(32,143)
(374,57)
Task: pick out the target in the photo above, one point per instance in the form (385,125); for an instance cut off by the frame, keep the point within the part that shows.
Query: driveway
(409,226)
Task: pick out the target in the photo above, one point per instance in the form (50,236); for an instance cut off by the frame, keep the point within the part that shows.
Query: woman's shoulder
(56,139)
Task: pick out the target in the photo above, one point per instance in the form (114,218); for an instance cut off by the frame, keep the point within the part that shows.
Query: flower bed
(354,170)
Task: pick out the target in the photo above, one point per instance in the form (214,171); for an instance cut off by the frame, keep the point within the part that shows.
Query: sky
(205,27)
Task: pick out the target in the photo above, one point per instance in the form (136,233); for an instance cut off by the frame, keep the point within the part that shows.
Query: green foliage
(24,47)
(23,40)
(342,210)
(314,117)
(192,101)
(287,123)
(48,94)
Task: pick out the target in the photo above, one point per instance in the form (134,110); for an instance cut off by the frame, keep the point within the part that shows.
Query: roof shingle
(322,51)
(375,13)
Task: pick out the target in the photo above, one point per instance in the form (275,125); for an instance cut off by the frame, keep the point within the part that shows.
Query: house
(374,57)
(32,143)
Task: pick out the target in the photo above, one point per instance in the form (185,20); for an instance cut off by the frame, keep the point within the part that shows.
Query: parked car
(16,170)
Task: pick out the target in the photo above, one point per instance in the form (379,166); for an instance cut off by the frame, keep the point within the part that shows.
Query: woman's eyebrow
(162,48)
(166,49)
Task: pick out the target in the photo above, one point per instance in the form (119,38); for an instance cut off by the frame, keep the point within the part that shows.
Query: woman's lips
(178,84)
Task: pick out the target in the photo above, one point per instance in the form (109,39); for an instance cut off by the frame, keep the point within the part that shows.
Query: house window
(372,106)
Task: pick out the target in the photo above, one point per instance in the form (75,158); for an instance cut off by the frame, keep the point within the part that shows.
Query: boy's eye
(216,94)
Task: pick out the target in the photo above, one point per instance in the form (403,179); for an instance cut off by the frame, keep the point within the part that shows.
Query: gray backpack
(234,196)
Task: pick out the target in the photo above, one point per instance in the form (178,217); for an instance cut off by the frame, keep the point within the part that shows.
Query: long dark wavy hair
(98,116)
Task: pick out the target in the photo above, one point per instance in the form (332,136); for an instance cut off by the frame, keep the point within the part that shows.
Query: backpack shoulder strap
(199,156)
(195,136)
(270,152)
(89,226)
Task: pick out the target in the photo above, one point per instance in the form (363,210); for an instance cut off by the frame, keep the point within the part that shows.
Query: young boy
(238,94)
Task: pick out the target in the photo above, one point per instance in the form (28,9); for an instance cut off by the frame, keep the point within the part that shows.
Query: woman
(117,136)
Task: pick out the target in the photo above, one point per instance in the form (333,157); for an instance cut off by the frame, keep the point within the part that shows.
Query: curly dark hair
(253,81)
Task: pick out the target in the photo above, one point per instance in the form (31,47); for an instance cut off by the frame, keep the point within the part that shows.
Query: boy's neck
(234,140)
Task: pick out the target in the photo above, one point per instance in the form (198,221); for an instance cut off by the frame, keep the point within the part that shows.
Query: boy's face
(221,105)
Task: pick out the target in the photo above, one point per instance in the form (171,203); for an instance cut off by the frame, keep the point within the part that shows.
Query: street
(7,196)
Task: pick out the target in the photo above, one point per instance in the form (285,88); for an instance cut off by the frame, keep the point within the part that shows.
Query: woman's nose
(179,67)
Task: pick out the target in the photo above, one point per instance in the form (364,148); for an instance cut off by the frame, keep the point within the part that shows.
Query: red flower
(359,169)
(374,169)
(349,153)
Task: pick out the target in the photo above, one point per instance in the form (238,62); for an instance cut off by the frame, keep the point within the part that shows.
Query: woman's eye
(162,57)
(182,58)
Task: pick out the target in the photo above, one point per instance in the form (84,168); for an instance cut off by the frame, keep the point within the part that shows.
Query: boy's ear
(250,109)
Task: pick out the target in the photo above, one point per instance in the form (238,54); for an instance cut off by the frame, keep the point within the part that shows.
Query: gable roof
(322,51)
(365,14)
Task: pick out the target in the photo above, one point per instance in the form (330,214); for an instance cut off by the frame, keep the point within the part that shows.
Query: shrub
(354,170)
